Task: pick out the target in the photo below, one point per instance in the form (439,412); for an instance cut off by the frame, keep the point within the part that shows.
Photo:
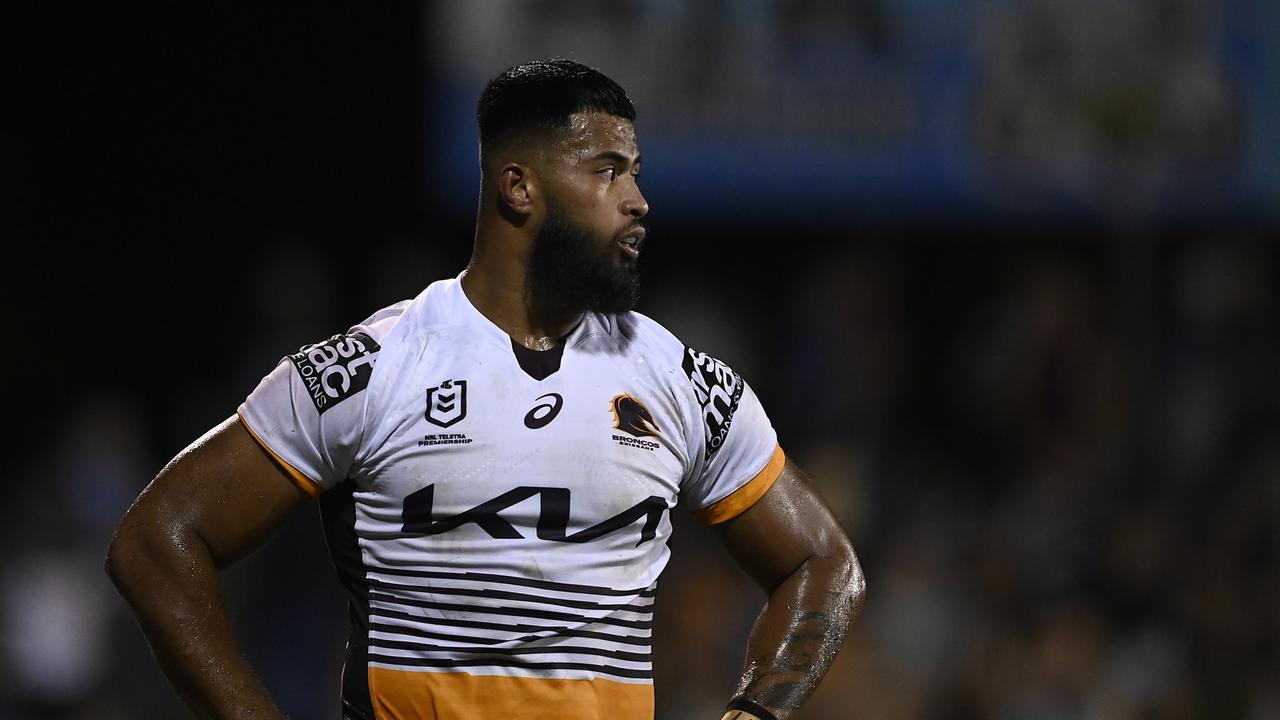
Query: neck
(501,292)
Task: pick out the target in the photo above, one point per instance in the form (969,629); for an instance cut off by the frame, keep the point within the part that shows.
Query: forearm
(797,635)
(172,585)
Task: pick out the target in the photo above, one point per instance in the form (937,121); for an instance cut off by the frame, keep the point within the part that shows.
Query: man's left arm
(791,545)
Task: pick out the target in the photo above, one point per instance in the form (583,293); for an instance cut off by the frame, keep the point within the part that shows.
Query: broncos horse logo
(631,416)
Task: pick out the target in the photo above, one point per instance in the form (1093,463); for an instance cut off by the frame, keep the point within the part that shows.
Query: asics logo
(543,413)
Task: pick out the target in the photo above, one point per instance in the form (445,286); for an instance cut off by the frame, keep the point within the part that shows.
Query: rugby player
(496,461)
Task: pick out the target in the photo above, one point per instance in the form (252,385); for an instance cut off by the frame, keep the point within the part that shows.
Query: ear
(517,188)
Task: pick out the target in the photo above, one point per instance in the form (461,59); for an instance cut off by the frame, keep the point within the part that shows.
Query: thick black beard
(569,269)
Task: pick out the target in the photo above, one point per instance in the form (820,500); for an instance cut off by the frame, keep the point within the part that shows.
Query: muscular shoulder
(380,324)
(339,367)
(366,336)
(659,343)
(698,375)
(642,334)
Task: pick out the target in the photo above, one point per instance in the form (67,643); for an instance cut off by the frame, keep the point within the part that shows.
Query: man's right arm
(211,505)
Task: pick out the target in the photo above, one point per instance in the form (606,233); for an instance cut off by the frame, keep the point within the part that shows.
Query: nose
(635,205)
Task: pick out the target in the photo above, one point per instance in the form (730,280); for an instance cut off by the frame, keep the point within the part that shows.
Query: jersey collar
(472,317)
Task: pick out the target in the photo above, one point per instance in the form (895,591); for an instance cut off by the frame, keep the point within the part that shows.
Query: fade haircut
(539,97)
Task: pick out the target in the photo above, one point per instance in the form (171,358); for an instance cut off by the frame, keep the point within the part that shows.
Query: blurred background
(1005,275)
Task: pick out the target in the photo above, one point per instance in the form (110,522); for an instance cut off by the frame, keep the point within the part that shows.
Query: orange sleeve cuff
(304,483)
(737,502)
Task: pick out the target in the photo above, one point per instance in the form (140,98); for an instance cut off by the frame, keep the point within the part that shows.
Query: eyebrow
(614,155)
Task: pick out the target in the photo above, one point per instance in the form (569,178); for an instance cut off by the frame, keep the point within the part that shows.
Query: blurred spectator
(1047,409)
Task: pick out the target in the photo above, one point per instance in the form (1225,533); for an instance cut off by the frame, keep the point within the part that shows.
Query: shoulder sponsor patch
(718,389)
(335,369)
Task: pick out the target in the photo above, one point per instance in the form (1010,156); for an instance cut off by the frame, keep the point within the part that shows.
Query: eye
(610,172)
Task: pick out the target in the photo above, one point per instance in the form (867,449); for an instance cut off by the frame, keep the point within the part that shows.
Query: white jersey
(500,535)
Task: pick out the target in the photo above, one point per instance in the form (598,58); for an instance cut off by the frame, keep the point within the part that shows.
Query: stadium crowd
(1065,507)
(1025,335)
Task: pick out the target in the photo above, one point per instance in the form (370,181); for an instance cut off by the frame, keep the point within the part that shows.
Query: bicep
(787,526)
(224,489)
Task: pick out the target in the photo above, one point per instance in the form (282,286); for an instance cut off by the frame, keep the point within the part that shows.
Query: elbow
(122,556)
(857,589)
(138,547)
(841,572)
(852,582)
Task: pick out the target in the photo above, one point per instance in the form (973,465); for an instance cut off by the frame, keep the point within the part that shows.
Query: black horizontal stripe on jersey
(509,612)
(415,632)
(385,644)
(513,662)
(506,595)
(528,630)
(513,580)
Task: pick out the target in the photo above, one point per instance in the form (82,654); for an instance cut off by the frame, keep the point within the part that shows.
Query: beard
(569,269)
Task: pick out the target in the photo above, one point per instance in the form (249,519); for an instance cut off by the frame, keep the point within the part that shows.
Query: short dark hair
(541,95)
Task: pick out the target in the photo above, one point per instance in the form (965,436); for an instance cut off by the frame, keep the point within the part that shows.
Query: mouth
(632,241)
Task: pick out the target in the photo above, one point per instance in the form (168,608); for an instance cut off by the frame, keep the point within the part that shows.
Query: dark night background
(1004,275)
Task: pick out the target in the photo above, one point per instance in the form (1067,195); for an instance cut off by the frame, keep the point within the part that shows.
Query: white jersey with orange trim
(501,535)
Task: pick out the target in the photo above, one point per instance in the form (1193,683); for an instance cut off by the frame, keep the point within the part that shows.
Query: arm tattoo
(807,651)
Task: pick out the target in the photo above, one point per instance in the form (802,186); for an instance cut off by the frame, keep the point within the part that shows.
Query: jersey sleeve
(734,446)
(309,413)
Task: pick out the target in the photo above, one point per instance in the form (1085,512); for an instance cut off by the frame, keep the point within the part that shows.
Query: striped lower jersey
(499,517)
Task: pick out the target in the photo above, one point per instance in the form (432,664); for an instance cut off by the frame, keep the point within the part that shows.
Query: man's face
(586,251)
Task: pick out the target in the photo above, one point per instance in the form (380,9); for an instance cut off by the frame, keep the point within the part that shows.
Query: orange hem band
(304,483)
(410,695)
(737,502)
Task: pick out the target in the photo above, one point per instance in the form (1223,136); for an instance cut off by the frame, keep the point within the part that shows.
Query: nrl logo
(447,402)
